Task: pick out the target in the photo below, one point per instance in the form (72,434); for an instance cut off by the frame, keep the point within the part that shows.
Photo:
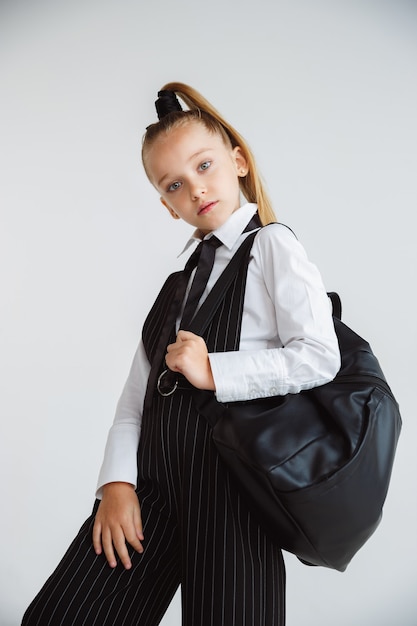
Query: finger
(119,540)
(182,337)
(133,541)
(133,531)
(173,362)
(97,538)
(106,539)
(185,335)
(137,520)
(171,347)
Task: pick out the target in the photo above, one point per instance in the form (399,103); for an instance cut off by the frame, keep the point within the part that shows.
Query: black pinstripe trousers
(198,533)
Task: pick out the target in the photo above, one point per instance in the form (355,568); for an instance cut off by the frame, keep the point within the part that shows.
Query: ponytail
(172,116)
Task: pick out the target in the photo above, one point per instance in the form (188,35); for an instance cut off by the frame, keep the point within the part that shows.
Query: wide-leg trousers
(198,534)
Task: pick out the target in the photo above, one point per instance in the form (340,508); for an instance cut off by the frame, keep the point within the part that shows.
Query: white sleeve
(120,456)
(308,352)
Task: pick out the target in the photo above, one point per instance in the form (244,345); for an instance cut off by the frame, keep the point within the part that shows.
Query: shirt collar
(229,232)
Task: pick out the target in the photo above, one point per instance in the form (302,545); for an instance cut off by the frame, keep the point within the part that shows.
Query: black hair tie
(167,103)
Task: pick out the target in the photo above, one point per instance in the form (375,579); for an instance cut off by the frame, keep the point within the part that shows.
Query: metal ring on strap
(158,386)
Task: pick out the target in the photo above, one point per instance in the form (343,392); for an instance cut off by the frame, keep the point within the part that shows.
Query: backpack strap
(210,305)
(336,304)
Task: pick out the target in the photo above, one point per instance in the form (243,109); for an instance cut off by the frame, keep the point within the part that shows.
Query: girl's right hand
(118,520)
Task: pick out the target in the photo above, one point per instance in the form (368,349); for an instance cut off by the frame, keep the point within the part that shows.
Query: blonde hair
(201,111)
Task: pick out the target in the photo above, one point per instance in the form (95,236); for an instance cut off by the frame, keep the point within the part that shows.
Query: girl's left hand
(189,356)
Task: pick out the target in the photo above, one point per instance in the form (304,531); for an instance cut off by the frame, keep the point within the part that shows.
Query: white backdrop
(326,94)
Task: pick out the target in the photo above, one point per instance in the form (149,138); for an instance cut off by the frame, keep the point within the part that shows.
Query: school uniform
(198,530)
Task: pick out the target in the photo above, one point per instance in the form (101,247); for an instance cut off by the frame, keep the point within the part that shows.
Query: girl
(167,512)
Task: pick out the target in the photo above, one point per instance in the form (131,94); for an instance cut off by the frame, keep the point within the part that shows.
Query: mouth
(206,207)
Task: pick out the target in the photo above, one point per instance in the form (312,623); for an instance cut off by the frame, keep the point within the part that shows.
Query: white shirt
(288,342)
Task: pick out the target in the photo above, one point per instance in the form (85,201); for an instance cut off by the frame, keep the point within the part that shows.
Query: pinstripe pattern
(198,531)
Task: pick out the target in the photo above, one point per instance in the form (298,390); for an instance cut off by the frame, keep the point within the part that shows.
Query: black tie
(206,252)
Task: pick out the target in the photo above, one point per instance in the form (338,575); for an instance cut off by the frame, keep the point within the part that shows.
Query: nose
(197,189)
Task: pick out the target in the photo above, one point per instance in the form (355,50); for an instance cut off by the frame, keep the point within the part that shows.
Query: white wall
(326,94)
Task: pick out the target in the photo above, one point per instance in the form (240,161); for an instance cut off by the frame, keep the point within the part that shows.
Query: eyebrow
(193,156)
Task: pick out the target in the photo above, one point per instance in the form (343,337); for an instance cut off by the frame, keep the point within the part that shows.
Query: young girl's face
(197,175)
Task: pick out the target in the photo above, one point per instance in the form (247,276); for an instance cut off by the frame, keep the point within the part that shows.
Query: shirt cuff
(248,374)
(120,457)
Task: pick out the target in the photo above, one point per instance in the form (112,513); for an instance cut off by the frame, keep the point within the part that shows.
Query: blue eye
(174,186)
(205,165)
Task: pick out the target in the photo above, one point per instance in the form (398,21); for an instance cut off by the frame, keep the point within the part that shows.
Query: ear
(171,211)
(240,161)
